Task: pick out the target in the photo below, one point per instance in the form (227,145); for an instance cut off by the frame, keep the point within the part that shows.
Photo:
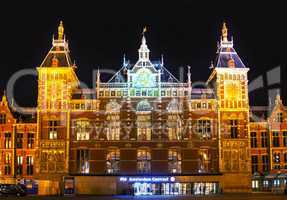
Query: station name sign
(148,179)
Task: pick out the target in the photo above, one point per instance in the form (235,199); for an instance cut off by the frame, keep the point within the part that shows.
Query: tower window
(234,128)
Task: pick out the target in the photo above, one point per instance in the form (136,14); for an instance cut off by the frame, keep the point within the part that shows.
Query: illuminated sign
(148,179)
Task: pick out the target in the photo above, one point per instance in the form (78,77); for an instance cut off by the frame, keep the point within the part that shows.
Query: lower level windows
(254,162)
(276,160)
(8,162)
(83,161)
(30,164)
(143,161)
(113,161)
(174,161)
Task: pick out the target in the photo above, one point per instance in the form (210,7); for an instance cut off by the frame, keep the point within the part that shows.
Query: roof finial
(224,32)
(143,38)
(4,98)
(60,31)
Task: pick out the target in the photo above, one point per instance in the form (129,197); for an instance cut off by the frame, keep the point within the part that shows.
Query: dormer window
(279,117)
(2,118)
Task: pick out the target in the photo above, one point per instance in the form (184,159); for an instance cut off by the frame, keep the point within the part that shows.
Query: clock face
(144,78)
(232,90)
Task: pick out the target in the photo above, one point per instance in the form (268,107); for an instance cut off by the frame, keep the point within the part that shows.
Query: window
(30,162)
(275,136)
(2,118)
(174,161)
(285,138)
(264,141)
(82,128)
(7,164)
(255,184)
(83,161)
(279,117)
(113,161)
(174,127)
(285,160)
(276,160)
(254,160)
(8,141)
(203,128)
(143,161)
(19,166)
(143,127)
(30,142)
(265,163)
(19,140)
(113,127)
(253,140)
(234,128)
(204,161)
(53,125)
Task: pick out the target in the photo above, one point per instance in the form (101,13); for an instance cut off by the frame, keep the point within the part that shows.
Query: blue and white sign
(153,179)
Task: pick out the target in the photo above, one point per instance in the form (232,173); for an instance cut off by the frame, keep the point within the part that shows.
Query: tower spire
(143,50)
(224,32)
(60,31)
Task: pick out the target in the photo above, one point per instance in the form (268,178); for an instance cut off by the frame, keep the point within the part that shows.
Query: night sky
(99,34)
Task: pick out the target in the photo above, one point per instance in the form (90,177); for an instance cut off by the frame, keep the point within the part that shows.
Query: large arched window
(82,129)
(113,161)
(174,161)
(143,160)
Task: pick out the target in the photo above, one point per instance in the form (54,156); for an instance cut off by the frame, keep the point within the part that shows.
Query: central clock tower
(229,79)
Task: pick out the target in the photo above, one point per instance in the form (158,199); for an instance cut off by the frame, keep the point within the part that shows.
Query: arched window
(82,129)
(174,161)
(113,161)
(143,106)
(143,160)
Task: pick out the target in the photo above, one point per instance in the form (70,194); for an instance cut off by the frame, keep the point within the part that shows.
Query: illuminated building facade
(142,132)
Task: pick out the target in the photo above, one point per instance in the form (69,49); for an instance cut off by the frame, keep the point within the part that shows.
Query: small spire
(60,31)
(224,32)
(162,63)
(4,98)
(124,60)
(278,99)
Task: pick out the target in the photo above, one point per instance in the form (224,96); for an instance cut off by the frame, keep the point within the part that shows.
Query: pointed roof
(227,57)
(59,54)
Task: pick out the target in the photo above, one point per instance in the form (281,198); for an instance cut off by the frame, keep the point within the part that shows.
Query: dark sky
(99,34)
